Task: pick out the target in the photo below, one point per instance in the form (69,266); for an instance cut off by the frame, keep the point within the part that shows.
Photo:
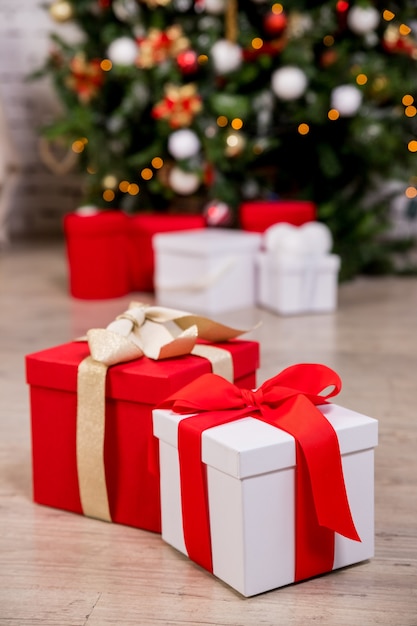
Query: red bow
(286,401)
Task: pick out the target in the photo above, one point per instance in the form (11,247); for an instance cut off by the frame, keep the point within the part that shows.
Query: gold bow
(156,332)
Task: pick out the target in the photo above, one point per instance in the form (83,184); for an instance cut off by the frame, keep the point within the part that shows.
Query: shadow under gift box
(251,495)
(133,389)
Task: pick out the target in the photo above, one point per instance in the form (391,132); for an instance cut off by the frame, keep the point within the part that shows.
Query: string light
(157,163)
(410,111)
(388,15)
(133,189)
(328,41)
(257,43)
(411,192)
(404,30)
(146,173)
(108,195)
(124,186)
(333,114)
(106,65)
(412,145)
(407,100)
(303,129)
(361,79)
(110,181)
(222,121)
(236,124)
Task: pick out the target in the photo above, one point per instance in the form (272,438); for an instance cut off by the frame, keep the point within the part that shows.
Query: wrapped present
(296,272)
(142,228)
(97,265)
(91,407)
(258,215)
(209,271)
(265,488)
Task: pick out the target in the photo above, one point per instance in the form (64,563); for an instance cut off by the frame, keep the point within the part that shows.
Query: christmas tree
(202,104)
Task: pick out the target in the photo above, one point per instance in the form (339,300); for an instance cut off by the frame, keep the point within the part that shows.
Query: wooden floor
(61,569)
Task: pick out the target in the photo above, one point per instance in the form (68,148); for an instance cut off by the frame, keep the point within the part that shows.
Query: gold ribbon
(156,332)
(231,20)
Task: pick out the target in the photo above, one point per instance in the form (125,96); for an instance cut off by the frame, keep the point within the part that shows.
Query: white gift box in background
(251,477)
(208,271)
(296,273)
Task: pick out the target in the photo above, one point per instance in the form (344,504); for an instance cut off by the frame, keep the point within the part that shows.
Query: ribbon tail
(90,439)
(322,506)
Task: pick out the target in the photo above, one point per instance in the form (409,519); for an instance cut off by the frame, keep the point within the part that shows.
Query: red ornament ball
(275,23)
(217,213)
(187,61)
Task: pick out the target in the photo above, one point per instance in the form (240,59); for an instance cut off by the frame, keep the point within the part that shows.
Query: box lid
(249,447)
(143,380)
(207,241)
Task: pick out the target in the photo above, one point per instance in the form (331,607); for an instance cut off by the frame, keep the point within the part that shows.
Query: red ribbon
(286,401)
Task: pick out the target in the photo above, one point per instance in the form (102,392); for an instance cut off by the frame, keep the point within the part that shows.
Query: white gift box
(292,284)
(210,271)
(251,478)
(296,273)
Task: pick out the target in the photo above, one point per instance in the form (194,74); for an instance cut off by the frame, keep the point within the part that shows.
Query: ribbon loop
(156,332)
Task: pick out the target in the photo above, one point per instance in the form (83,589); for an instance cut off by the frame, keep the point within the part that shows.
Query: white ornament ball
(283,238)
(183,183)
(215,7)
(289,82)
(123,51)
(346,99)
(317,238)
(87,210)
(363,20)
(183,144)
(226,56)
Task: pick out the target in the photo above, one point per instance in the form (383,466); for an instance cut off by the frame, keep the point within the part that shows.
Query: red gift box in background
(257,216)
(132,390)
(96,253)
(141,256)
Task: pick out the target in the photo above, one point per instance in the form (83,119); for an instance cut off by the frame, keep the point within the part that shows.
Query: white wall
(41,197)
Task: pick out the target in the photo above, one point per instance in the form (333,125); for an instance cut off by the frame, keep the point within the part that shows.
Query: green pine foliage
(116,116)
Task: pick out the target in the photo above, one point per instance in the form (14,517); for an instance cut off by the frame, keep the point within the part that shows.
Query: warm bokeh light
(388,15)
(106,65)
(328,40)
(303,129)
(257,43)
(404,30)
(108,195)
(333,114)
(77,146)
(410,111)
(124,186)
(411,192)
(222,121)
(412,145)
(407,100)
(146,173)
(236,124)
(361,79)
(110,181)
(202,58)
(277,8)
(133,189)
(157,163)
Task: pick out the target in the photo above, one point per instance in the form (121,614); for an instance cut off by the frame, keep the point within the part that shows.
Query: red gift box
(141,255)
(259,215)
(97,261)
(132,390)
